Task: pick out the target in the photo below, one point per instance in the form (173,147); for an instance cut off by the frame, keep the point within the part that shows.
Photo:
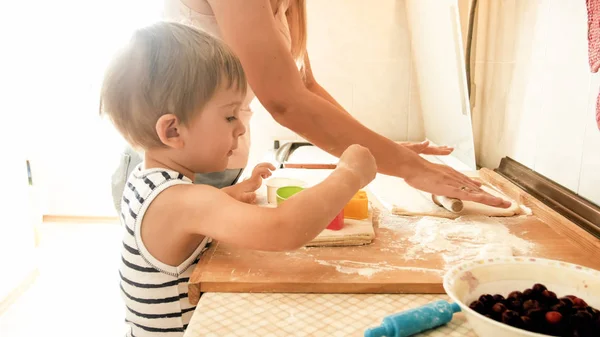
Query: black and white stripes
(154,293)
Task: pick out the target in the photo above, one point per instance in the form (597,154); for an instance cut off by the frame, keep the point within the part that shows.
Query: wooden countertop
(380,267)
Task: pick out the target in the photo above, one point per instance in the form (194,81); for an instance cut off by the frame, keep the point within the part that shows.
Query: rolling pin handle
(451,204)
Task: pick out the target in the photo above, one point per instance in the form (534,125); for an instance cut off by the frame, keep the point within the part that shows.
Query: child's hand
(260,172)
(360,162)
(245,190)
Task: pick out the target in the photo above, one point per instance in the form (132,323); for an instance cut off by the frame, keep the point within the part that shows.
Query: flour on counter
(392,221)
(369,269)
(464,238)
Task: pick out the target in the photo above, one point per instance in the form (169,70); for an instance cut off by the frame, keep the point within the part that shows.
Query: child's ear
(169,130)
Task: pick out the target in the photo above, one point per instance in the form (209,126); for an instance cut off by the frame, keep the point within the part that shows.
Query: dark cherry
(596,325)
(539,288)
(581,318)
(595,313)
(528,323)
(511,317)
(487,300)
(477,306)
(515,295)
(578,302)
(498,298)
(499,308)
(537,314)
(549,296)
(528,293)
(560,307)
(587,331)
(530,304)
(567,301)
(515,305)
(553,317)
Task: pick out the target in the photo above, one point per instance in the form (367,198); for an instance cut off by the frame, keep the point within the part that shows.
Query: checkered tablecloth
(270,315)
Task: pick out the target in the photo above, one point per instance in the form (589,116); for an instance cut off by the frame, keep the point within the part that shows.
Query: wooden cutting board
(380,267)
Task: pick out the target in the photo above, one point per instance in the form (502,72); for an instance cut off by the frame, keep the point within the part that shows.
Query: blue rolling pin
(413,321)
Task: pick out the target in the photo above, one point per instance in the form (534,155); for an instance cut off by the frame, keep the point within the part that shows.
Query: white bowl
(274,183)
(466,282)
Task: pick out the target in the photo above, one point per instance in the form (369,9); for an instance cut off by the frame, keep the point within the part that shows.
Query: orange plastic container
(358,207)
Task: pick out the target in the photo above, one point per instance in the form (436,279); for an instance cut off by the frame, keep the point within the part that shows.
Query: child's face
(213,134)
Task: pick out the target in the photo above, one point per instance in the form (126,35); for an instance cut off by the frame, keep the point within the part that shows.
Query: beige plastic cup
(275,183)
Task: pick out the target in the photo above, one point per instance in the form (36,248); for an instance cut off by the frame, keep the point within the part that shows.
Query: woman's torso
(199,14)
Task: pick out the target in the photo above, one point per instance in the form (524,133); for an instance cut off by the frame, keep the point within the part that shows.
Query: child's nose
(240,130)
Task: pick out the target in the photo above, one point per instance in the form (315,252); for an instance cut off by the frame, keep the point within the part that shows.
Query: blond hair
(166,68)
(296,15)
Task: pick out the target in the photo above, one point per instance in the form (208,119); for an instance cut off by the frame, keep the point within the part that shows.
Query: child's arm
(204,210)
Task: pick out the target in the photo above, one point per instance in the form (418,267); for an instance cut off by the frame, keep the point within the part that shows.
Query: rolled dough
(402,199)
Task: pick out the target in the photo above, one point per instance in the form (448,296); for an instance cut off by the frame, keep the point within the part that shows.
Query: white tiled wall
(536,98)
(439,65)
(360,53)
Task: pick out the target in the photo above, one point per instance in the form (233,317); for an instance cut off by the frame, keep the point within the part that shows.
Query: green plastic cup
(284,193)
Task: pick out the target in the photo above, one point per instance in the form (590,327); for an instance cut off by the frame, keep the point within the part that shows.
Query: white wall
(18,214)
(535,96)
(439,65)
(17,240)
(18,94)
(63,49)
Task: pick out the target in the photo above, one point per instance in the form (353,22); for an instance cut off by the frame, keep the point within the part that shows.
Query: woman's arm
(249,28)
(311,83)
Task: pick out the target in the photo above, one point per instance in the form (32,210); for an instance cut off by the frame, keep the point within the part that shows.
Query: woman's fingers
(443,180)
(425,147)
(479,197)
(461,180)
(437,150)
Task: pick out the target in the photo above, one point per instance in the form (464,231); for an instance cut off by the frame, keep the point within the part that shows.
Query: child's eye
(231,118)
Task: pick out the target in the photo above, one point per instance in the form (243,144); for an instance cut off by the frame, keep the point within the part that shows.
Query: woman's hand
(425,148)
(445,181)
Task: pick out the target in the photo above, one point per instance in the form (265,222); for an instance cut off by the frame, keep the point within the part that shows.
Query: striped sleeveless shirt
(155,294)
